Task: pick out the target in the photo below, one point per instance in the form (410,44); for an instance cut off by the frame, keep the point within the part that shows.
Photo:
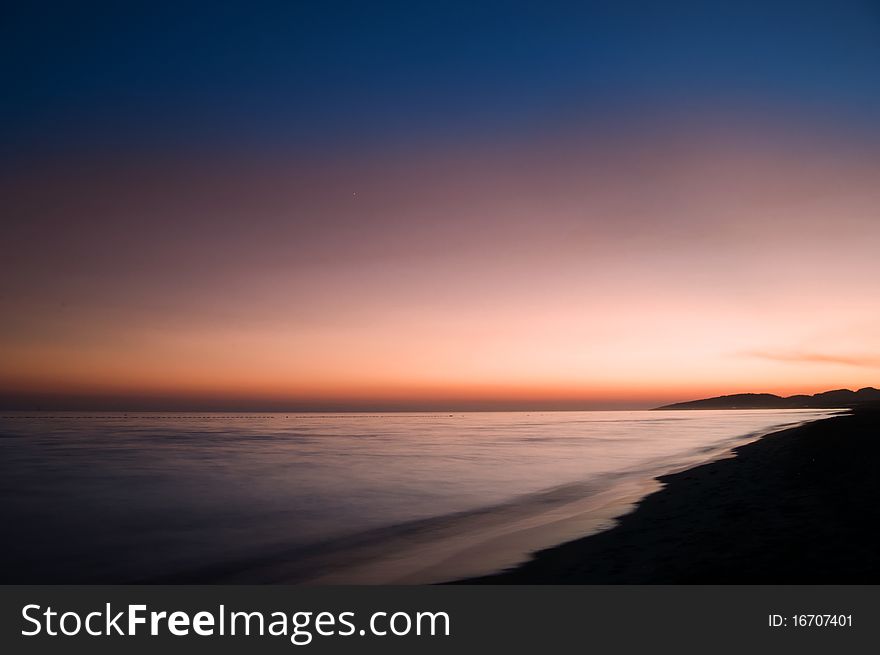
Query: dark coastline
(795,507)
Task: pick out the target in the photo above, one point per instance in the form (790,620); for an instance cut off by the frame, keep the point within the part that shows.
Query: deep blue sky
(328,74)
(387,204)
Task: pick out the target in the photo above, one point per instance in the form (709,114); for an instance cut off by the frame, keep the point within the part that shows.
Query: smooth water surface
(142,497)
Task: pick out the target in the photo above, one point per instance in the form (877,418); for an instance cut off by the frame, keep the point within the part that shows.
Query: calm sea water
(209,497)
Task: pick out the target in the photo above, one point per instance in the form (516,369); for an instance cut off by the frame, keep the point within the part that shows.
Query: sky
(437,205)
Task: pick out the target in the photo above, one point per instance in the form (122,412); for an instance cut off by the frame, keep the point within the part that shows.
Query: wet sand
(797,506)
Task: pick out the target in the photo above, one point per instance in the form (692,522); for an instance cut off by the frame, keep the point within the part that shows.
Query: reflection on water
(114,497)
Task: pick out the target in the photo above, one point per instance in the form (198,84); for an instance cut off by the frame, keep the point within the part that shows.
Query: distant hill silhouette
(824,400)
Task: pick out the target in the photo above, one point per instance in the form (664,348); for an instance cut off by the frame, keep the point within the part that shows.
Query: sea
(407,498)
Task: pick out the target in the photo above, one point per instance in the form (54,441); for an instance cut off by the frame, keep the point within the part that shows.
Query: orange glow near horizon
(604,272)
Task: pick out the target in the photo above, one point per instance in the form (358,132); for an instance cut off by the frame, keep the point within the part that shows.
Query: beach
(798,506)
(333,499)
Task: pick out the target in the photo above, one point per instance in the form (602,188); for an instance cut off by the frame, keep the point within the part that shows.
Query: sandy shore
(797,506)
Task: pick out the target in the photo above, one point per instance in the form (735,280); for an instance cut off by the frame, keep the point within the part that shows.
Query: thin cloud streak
(796,357)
